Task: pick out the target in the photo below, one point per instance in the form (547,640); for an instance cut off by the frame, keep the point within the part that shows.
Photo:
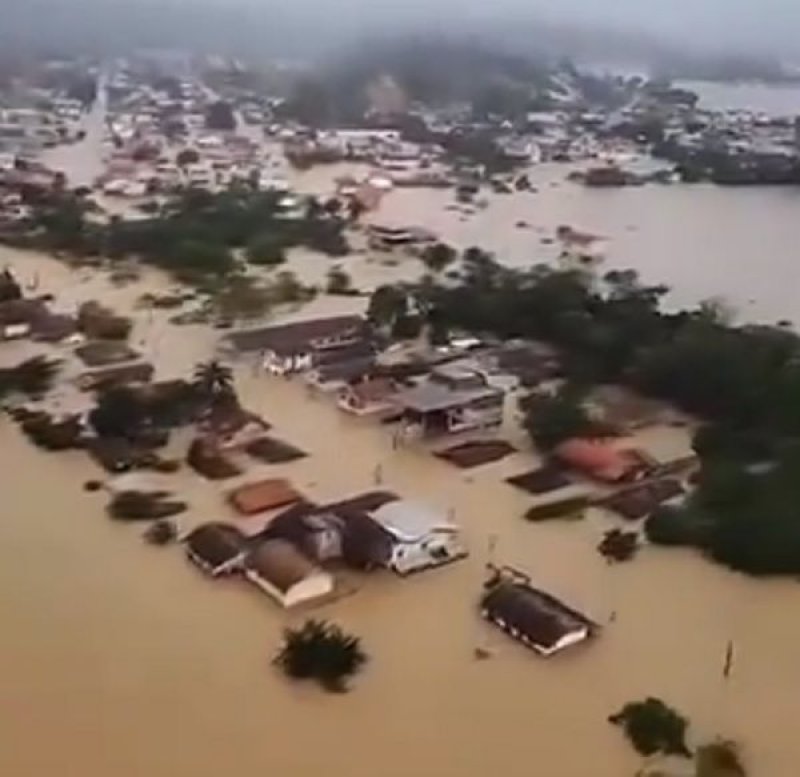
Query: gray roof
(409,521)
(430,396)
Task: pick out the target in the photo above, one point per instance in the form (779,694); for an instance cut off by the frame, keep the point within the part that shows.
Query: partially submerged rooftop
(534,617)
(296,336)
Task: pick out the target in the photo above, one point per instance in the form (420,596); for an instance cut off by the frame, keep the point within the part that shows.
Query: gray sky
(770,26)
(718,24)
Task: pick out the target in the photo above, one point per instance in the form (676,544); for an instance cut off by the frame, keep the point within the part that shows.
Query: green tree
(386,305)
(213,380)
(34,377)
(438,256)
(287,289)
(323,652)
(118,413)
(241,297)
(201,257)
(186,157)
(339,281)
(653,727)
(551,419)
(266,249)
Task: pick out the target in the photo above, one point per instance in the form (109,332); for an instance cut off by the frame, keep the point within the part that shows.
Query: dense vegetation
(193,235)
(322,652)
(744,382)
(432,71)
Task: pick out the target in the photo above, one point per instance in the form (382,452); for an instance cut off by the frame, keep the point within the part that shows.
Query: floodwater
(736,245)
(120,659)
(772,99)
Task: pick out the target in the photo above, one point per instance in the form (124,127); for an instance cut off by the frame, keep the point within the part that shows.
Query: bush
(162,532)
(676,526)
(98,322)
(339,282)
(653,727)
(407,327)
(322,652)
(33,377)
(266,250)
(719,759)
(550,419)
(438,256)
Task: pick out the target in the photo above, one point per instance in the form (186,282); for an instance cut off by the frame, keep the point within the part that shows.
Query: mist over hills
(612,31)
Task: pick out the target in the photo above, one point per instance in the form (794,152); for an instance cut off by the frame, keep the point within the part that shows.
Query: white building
(421,537)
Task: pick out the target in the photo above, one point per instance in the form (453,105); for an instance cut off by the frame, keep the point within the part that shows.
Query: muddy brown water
(120,659)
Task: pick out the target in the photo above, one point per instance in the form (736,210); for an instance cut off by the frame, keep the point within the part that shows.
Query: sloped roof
(537,615)
(295,336)
(598,459)
(263,495)
(279,563)
(216,543)
(409,521)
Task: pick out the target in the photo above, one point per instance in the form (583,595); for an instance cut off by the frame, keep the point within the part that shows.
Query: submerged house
(420,537)
(290,348)
(452,399)
(335,366)
(374,530)
(263,495)
(339,531)
(386,238)
(368,397)
(533,617)
(601,461)
(279,569)
(217,548)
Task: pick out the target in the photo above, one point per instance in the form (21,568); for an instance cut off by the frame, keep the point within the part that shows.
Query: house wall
(315,586)
(283,365)
(348,401)
(215,571)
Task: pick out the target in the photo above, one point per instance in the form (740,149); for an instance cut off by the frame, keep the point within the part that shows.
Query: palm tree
(322,652)
(213,379)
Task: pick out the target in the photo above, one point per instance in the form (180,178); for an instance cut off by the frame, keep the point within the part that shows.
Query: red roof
(598,459)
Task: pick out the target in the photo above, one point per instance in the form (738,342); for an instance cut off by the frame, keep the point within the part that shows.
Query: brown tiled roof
(263,495)
(279,563)
(216,543)
(537,615)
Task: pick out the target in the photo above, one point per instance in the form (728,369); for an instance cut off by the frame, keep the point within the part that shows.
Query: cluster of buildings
(161,135)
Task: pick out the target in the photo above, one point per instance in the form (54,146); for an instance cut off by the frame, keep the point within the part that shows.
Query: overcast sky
(721,24)
(770,26)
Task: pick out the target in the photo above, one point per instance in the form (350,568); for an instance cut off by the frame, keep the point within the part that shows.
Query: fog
(306,27)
